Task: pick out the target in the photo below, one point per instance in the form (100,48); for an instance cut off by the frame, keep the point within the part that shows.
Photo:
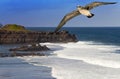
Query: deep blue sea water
(96,35)
(101,35)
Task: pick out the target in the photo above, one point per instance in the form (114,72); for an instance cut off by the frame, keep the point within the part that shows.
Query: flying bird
(81,11)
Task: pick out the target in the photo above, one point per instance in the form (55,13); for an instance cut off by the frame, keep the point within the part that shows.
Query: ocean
(95,56)
(105,35)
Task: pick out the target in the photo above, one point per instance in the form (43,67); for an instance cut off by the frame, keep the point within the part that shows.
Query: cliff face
(10,37)
(12,33)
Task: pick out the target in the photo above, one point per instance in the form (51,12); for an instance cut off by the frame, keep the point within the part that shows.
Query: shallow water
(17,68)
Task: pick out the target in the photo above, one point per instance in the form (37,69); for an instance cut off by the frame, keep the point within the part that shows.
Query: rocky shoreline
(12,37)
(26,50)
(16,34)
(33,47)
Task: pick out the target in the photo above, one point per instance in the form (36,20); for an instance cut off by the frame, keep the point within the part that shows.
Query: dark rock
(10,37)
(14,54)
(33,47)
(32,51)
(23,36)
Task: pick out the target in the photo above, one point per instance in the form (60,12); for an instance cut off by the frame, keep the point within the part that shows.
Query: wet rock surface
(27,50)
(33,47)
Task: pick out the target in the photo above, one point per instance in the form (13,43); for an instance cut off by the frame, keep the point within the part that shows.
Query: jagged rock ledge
(29,50)
(32,47)
(25,36)
(17,54)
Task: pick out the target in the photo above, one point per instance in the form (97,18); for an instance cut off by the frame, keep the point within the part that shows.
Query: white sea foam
(93,54)
(81,60)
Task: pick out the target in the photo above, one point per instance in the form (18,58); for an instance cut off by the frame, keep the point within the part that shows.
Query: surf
(102,55)
(78,60)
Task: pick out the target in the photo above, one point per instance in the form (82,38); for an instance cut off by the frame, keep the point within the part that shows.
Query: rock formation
(24,36)
(32,47)
(29,50)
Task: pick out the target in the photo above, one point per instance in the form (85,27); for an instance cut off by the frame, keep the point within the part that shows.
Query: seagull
(81,11)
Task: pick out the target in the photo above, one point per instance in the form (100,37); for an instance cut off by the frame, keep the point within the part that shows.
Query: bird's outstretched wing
(66,18)
(95,4)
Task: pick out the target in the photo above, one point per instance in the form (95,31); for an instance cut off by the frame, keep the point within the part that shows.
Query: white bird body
(84,11)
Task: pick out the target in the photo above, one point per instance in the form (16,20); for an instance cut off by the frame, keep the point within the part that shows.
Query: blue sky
(45,13)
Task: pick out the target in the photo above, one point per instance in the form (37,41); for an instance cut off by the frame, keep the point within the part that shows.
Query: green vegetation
(14,27)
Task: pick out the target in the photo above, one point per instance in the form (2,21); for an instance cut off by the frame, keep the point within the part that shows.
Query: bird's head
(78,6)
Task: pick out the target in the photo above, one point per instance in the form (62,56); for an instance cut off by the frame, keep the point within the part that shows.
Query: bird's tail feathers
(90,16)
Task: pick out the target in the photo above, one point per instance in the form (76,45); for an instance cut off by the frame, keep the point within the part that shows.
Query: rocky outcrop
(32,47)
(15,54)
(10,37)
(29,50)
(12,33)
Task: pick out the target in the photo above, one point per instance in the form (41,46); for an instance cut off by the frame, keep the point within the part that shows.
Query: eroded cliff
(21,35)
